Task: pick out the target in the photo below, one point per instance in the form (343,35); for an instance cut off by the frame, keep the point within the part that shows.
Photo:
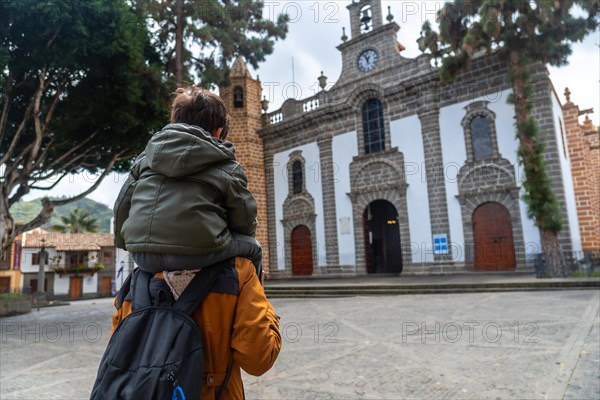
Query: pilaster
(429,114)
(328,187)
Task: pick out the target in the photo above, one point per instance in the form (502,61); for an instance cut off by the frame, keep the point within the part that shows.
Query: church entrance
(492,232)
(302,253)
(383,253)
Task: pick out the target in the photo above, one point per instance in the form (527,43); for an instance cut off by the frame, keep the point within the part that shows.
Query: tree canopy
(519,33)
(198,39)
(80,89)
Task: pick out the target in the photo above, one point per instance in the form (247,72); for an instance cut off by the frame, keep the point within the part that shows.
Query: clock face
(367,60)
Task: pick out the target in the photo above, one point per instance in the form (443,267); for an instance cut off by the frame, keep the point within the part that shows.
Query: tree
(519,33)
(79,91)
(77,221)
(198,39)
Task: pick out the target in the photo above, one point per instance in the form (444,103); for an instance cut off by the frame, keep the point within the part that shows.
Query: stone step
(379,290)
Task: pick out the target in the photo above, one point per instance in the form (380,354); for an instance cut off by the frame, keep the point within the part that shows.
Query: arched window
(373,126)
(297,177)
(481,138)
(238,97)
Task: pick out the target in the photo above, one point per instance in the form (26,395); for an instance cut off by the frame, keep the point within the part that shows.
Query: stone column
(329,208)
(274,249)
(429,114)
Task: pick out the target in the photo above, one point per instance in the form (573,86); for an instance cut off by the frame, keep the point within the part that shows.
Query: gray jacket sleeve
(240,204)
(123,202)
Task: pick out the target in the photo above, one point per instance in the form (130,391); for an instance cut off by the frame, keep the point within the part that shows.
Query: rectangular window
(35,258)
(76,260)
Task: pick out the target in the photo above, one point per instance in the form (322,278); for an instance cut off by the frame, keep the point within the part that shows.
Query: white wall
(508,146)
(454,153)
(128,266)
(27,255)
(406,135)
(345,147)
(312,172)
(565,164)
(90,283)
(61,284)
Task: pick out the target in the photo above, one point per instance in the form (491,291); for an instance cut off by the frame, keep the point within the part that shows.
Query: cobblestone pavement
(519,345)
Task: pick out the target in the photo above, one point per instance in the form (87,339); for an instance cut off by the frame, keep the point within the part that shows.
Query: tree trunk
(5,228)
(528,150)
(552,254)
(180,22)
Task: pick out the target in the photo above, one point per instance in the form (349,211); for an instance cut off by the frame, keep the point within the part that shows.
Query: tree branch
(49,205)
(22,190)
(65,173)
(18,133)
(57,170)
(71,151)
(6,105)
(116,157)
(53,105)
(39,131)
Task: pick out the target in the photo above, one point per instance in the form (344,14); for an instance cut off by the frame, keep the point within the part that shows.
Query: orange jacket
(237,321)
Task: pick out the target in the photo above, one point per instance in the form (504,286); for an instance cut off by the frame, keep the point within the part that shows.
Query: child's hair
(195,106)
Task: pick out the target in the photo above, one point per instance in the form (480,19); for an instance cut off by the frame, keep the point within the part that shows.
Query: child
(185,204)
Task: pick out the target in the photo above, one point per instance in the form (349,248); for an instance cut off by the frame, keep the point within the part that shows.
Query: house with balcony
(76,265)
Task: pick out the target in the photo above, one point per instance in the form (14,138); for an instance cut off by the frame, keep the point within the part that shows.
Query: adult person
(239,327)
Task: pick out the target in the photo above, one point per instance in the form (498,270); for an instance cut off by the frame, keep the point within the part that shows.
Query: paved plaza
(511,345)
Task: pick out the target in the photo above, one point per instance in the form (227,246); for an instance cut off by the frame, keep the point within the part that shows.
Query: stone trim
(386,181)
(299,210)
(295,156)
(510,200)
(479,109)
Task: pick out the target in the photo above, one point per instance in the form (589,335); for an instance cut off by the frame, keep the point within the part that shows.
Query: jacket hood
(181,150)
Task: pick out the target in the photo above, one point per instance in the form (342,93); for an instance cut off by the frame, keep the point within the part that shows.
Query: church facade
(390,171)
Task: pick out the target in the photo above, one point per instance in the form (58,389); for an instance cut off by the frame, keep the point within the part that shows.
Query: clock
(367,60)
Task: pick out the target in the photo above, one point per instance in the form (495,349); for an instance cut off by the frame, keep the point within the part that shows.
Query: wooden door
(492,232)
(34,285)
(75,287)
(106,286)
(5,284)
(302,253)
(382,233)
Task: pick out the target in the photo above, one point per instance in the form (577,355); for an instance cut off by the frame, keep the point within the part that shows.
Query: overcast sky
(315,30)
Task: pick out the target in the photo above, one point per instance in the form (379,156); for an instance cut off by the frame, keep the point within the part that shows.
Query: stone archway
(383,250)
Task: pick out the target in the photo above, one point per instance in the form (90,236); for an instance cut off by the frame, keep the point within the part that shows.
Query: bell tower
(365,16)
(373,47)
(243,100)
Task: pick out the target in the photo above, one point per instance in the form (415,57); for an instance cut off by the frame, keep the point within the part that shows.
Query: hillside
(27,210)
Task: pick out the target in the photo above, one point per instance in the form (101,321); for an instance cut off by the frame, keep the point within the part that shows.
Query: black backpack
(156,352)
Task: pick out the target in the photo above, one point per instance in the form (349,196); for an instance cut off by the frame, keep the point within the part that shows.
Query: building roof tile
(70,241)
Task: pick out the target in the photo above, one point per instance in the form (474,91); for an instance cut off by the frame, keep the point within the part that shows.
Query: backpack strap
(141,290)
(199,287)
(124,291)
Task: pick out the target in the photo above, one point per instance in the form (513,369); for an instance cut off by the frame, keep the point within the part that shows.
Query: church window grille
(483,147)
(373,126)
(297,177)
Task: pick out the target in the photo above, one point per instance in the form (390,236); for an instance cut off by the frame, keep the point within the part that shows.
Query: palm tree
(77,221)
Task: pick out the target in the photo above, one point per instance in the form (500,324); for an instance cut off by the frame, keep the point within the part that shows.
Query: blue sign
(440,244)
